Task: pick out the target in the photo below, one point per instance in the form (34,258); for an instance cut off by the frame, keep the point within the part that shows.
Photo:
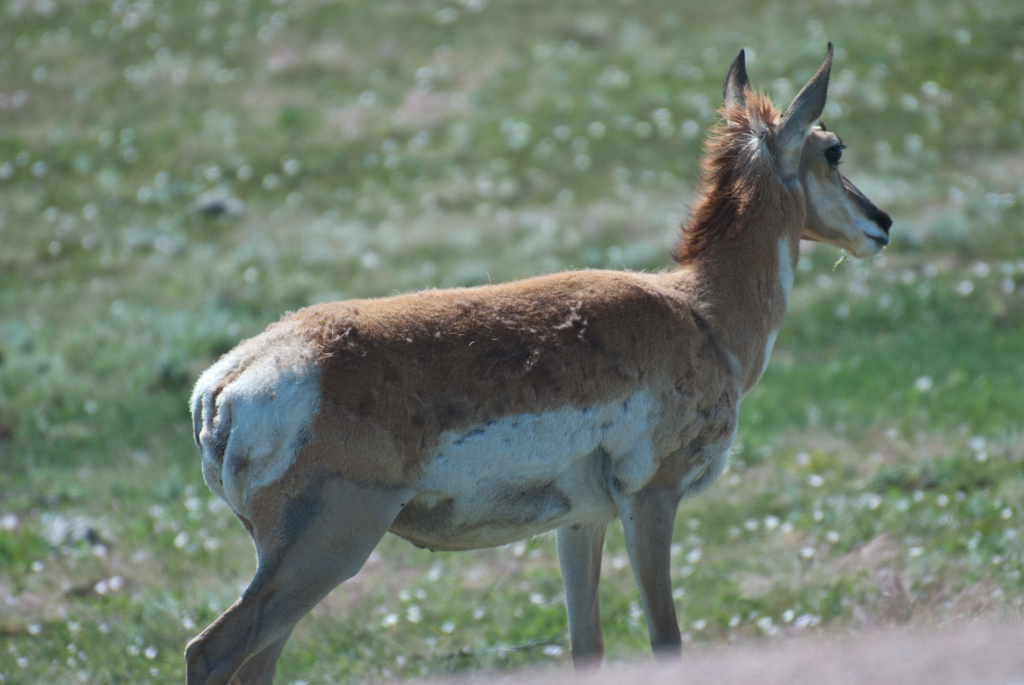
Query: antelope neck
(746,287)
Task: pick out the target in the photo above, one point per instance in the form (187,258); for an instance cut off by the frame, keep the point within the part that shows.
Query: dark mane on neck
(736,165)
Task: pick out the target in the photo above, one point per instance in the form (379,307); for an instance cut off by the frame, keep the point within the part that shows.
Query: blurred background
(176,175)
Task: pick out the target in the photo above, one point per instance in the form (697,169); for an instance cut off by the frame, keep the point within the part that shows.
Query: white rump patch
(261,417)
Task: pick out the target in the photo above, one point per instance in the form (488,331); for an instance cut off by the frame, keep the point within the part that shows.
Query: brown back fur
(416,365)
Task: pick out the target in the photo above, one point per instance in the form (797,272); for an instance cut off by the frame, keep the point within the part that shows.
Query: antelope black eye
(834,154)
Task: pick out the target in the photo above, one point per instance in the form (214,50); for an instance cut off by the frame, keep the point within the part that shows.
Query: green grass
(392,146)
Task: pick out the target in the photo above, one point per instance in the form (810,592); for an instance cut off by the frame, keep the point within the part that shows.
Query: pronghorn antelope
(468,418)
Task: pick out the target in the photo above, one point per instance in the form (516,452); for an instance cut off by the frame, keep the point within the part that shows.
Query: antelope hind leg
(579,558)
(647,520)
(316,541)
(260,669)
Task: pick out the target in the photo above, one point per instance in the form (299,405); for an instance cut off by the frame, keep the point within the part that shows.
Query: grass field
(363,148)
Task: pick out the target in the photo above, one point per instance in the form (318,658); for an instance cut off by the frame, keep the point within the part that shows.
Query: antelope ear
(736,83)
(806,108)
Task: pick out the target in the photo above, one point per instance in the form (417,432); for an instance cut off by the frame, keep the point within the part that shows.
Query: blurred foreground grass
(364,148)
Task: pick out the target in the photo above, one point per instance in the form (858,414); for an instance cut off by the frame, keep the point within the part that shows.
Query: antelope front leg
(319,540)
(647,519)
(579,557)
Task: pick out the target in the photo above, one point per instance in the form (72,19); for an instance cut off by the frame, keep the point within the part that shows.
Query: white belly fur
(543,447)
(528,474)
(558,461)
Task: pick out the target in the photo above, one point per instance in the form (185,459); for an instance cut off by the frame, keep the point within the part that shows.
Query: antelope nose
(883,220)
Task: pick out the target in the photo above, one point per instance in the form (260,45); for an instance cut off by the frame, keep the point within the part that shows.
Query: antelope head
(807,155)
